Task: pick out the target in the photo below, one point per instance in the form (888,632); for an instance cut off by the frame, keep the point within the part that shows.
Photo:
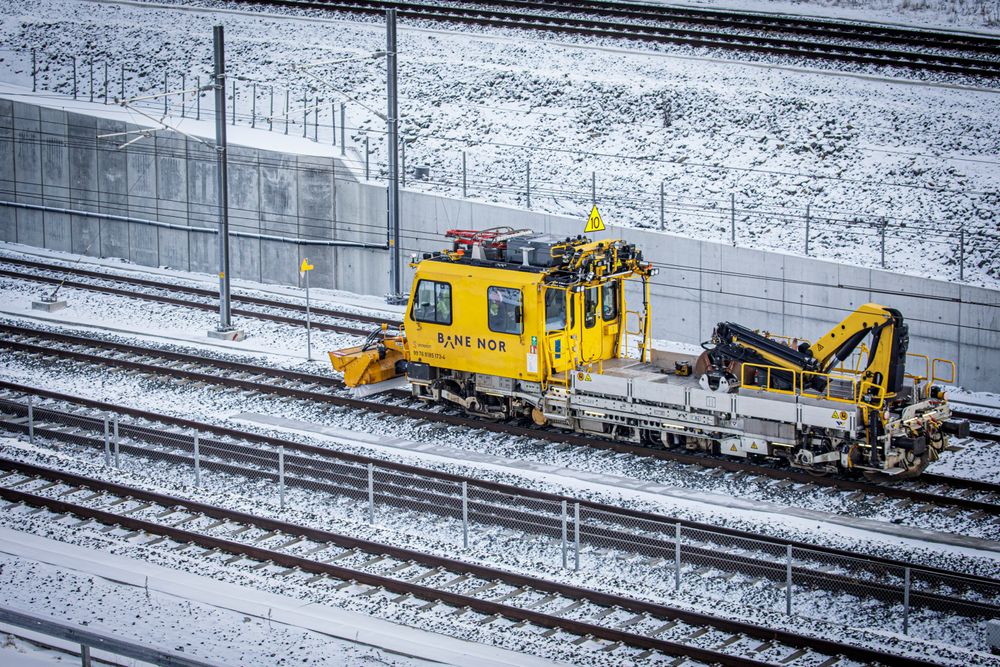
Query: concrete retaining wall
(53,158)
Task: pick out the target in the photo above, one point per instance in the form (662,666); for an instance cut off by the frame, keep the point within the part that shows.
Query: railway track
(273,310)
(403,579)
(979,499)
(434,493)
(806,39)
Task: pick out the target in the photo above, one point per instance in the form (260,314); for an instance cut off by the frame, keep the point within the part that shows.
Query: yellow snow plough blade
(361,365)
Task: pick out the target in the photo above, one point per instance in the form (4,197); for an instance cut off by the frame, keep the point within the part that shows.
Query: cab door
(559,322)
(610,318)
(590,329)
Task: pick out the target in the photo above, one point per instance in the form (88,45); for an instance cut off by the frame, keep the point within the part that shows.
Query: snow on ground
(858,150)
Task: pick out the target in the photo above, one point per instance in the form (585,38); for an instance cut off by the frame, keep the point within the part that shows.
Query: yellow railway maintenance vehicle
(515,324)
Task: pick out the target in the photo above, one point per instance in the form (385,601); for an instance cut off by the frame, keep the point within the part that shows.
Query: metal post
(371,493)
(343,129)
(402,159)
(166,97)
(788,579)
(564,544)
(316,120)
(593,188)
(117,444)
(197,104)
(123,83)
(961,251)
(197,460)
(333,124)
(807,230)
(392,123)
(253,106)
(287,94)
(281,476)
(527,182)
(576,536)
(31,421)
(882,228)
(677,556)
(305,114)
(184,96)
(223,178)
(308,323)
(663,224)
(465,515)
(105,81)
(234,101)
(91,80)
(906,601)
(107,442)
(34,71)
(465,182)
(85,656)
(732,218)
(367,155)
(74,77)
(270,114)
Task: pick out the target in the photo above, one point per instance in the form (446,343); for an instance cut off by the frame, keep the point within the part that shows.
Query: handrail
(940,378)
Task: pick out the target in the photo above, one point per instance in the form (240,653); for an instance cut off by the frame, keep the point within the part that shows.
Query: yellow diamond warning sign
(594,222)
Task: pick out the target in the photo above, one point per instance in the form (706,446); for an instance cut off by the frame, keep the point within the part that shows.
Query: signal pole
(392,120)
(225,330)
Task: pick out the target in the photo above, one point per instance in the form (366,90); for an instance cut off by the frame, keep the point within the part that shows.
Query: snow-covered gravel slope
(858,150)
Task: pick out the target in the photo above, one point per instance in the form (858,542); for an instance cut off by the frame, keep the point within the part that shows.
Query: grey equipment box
(539,250)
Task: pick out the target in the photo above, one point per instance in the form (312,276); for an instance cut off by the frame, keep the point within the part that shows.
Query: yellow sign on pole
(594,222)
(306,266)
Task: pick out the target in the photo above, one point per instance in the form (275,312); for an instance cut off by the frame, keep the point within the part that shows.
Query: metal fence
(664,555)
(889,241)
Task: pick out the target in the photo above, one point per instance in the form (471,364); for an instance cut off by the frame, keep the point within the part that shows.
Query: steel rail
(486,607)
(186,372)
(187,303)
(698,38)
(351,482)
(443,478)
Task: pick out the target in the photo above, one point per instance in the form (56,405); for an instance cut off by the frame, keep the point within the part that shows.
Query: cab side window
(504,310)
(590,307)
(433,302)
(609,301)
(555,310)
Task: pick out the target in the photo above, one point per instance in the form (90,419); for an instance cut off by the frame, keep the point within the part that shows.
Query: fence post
(91,80)
(234,100)
(367,156)
(270,113)
(593,188)
(74,77)
(305,113)
(677,556)
(281,476)
(287,95)
(576,536)
(343,129)
(788,579)
(564,545)
(465,515)
(34,71)
(31,421)
(319,100)
(371,493)
(465,181)
(663,224)
(253,106)
(884,224)
(166,97)
(732,218)
(107,443)
(117,444)
(85,656)
(333,124)
(527,181)
(402,162)
(184,96)
(906,600)
(807,229)
(197,105)
(197,461)
(961,251)
(105,81)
